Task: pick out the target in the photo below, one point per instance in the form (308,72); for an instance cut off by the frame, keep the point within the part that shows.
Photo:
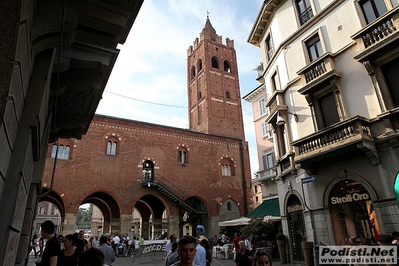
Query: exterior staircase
(174,194)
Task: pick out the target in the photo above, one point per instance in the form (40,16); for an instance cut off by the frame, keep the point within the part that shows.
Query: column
(157,224)
(69,226)
(173,226)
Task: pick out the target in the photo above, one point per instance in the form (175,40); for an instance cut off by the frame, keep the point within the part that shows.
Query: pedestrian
(141,242)
(115,243)
(96,242)
(91,257)
(173,255)
(186,249)
(61,239)
(34,246)
(207,246)
(200,255)
(168,246)
(81,242)
(70,254)
(53,247)
(262,259)
(243,256)
(236,241)
(109,254)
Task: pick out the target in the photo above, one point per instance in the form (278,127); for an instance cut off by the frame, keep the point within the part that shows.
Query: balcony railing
(377,32)
(306,15)
(270,53)
(317,70)
(338,136)
(266,174)
(276,103)
(259,69)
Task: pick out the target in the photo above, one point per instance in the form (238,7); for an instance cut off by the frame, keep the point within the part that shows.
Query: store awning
(267,208)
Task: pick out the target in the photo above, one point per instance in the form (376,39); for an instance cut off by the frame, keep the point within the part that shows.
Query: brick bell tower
(213,87)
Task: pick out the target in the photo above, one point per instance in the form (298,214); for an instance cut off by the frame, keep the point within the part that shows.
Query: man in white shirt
(116,241)
(200,255)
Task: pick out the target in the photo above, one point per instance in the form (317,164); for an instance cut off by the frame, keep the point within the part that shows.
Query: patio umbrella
(271,219)
(235,222)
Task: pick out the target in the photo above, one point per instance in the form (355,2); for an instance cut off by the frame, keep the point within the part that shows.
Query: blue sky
(153,61)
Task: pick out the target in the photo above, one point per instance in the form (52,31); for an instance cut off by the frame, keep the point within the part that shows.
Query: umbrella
(271,219)
(235,222)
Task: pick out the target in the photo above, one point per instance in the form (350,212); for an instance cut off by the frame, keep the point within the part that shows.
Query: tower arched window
(54,151)
(215,63)
(199,95)
(199,65)
(182,155)
(227,66)
(63,152)
(192,72)
(111,147)
(227,95)
(227,167)
(229,206)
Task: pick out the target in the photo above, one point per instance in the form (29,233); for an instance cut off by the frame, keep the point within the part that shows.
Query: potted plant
(282,249)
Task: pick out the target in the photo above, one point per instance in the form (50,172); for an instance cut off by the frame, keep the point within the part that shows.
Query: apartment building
(328,82)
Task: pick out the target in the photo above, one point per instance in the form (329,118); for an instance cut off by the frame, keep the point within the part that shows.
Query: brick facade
(114,182)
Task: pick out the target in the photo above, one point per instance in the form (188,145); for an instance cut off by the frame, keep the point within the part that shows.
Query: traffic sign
(308,179)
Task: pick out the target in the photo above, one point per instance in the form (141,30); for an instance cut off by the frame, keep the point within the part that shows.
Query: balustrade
(325,139)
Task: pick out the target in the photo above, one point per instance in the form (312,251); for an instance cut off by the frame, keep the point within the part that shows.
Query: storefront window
(352,213)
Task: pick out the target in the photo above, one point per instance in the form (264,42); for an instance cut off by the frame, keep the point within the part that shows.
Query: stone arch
(109,207)
(286,198)
(151,205)
(194,219)
(55,199)
(350,176)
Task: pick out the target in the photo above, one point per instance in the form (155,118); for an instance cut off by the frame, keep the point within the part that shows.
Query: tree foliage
(259,231)
(83,220)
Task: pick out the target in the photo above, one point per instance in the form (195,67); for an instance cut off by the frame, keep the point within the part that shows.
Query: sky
(153,61)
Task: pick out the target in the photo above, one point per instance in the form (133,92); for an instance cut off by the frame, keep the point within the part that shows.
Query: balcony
(378,35)
(317,72)
(343,137)
(275,103)
(270,53)
(306,15)
(266,175)
(259,69)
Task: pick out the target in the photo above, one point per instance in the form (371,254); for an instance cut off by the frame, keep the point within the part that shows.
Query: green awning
(268,207)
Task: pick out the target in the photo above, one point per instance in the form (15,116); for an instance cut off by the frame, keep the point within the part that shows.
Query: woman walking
(70,254)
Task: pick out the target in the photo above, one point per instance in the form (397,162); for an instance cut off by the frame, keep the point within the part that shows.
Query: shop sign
(294,208)
(350,198)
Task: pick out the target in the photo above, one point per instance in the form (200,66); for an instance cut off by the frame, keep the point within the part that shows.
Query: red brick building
(202,173)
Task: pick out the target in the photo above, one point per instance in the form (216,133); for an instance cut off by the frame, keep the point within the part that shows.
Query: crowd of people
(75,249)
(189,251)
